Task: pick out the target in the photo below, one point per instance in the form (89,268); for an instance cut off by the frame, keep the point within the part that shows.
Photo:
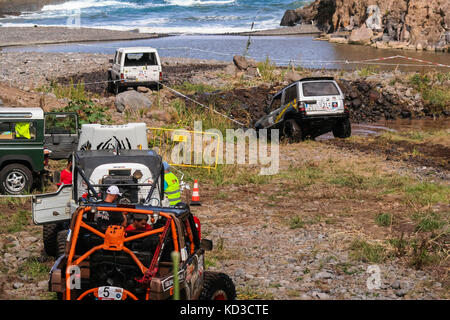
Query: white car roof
(137,49)
(21,113)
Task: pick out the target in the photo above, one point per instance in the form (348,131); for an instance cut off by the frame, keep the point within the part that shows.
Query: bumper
(136,83)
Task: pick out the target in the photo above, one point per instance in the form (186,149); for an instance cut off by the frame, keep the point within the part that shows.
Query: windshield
(140,59)
(312,89)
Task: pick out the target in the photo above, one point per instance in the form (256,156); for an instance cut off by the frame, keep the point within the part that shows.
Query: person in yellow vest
(23,130)
(171,186)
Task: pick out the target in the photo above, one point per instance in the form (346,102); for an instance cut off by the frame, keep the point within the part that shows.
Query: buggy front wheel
(217,286)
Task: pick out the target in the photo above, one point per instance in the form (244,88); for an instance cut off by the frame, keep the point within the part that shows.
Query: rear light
(122,77)
(160,76)
(301,107)
(346,108)
(198,226)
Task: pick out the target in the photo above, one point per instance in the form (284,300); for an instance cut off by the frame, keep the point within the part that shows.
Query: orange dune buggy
(103,261)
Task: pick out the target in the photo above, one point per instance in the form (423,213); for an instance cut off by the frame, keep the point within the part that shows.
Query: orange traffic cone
(195,195)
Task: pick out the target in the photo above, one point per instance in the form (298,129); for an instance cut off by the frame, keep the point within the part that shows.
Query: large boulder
(361,35)
(132,100)
(242,63)
(413,21)
(290,19)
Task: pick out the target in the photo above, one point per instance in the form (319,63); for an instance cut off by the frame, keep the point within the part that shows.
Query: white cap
(113,190)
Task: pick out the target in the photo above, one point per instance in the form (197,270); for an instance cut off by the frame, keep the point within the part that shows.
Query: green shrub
(383,219)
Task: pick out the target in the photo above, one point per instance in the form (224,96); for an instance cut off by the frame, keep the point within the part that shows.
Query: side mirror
(206,244)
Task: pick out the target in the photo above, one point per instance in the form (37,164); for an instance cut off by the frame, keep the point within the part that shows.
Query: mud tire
(292,131)
(342,129)
(217,286)
(50,236)
(61,242)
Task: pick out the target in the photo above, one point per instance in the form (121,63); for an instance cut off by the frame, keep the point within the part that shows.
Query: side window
(276,103)
(60,123)
(290,94)
(17,130)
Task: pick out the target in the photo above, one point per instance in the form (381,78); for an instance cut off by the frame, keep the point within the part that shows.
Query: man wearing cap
(112,195)
(171,186)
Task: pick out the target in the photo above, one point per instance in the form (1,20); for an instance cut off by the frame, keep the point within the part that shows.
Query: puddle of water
(400,125)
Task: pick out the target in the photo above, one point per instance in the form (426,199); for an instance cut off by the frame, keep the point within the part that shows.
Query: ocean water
(162,16)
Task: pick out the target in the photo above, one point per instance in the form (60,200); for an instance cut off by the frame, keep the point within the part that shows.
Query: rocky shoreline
(39,35)
(16,7)
(371,96)
(405,24)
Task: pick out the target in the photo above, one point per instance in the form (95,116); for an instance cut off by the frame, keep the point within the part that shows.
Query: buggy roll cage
(115,238)
(95,194)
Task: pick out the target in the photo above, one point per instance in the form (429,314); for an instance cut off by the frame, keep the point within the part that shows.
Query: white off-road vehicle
(309,107)
(133,67)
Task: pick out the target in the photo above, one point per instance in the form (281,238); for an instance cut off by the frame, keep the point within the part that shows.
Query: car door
(322,98)
(52,207)
(61,134)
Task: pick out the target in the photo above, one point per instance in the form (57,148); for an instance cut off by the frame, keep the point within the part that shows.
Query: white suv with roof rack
(133,67)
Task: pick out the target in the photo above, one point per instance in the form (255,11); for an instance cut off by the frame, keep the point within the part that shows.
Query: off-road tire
(15,179)
(217,286)
(292,131)
(50,236)
(110,85)
(342,129)
(61,242)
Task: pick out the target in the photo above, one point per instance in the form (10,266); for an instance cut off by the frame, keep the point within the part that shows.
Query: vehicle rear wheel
(342,129)
(217,286)
(110,86)
(15,179)
(50,235)
(61,242)
(292,131)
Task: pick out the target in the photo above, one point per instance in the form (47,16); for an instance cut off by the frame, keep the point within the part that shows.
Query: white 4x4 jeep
(309,107)
(133,67)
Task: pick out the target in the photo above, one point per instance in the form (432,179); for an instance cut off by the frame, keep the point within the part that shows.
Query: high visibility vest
(23,130)
(172,191)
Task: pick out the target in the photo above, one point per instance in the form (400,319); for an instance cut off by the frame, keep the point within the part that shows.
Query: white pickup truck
(133,67)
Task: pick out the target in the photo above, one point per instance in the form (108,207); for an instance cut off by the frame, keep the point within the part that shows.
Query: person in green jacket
(171,186)
(23,130)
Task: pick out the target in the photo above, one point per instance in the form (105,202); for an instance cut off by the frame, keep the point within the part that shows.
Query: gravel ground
(23,36)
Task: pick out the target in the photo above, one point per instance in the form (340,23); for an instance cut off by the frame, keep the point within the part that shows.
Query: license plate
(110,293)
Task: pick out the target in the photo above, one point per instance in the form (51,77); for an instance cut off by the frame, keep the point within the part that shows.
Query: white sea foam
(190,3)
(84,4)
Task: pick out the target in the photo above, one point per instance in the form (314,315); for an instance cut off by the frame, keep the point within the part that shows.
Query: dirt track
(289,236)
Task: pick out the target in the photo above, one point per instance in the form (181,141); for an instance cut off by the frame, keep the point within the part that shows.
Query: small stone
(324,275)
(17,285)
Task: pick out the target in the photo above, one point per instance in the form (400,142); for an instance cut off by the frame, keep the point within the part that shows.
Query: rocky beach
(336,210)
(405,24)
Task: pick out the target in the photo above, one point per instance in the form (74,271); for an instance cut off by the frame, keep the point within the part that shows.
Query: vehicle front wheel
(15,179)
(217,286)
(292,131)
(49,235)
(342,129)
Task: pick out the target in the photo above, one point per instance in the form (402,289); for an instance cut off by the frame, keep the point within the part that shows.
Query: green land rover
(28,137)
